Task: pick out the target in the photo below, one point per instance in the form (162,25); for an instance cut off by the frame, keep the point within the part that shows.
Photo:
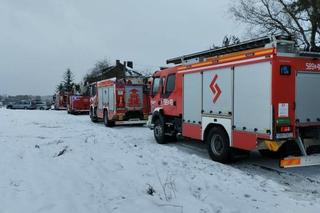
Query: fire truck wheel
(106,120)
(218,145)
(92,116)
(158,131)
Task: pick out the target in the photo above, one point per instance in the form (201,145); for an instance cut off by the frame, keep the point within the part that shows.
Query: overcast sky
(40,39)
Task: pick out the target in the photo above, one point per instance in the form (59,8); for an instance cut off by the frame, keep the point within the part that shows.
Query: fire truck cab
(261,95)
(119,101)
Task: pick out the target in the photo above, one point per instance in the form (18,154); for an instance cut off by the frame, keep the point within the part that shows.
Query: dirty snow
(55,162)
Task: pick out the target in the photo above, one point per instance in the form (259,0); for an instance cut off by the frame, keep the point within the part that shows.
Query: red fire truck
(78,104)
(60,101)
(120,101)
(261,95)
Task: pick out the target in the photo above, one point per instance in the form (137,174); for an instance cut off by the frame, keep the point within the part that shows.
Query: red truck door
(169,96)
(155,93)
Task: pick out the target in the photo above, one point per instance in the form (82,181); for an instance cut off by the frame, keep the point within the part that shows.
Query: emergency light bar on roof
(246,45)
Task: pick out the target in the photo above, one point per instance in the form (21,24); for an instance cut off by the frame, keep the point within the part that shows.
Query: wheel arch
(157,114)
(209,122)
(212,125)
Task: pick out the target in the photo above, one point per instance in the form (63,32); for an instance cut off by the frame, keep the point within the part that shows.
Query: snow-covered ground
(54,162)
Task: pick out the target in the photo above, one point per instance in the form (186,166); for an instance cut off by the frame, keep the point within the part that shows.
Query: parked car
(42,105)
(22,105)
(9,105)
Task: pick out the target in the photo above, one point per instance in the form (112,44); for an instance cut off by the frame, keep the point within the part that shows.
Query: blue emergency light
(285,70)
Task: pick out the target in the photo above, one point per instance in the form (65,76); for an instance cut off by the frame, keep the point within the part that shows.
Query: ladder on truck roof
(246,45)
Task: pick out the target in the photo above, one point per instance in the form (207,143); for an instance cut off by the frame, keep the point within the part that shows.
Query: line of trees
(68,84)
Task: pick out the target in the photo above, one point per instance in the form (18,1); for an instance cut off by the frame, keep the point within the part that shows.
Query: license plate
(284,135)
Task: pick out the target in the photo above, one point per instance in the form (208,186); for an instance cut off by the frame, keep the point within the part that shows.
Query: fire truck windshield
(170,83)
(155,86)
(93,90)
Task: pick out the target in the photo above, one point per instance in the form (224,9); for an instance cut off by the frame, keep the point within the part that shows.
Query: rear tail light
(121,102)
(284,129)
(290,162)
(283,125)
(120,99)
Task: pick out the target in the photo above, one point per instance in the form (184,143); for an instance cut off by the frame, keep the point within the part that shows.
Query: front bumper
(149,124)
(130,122)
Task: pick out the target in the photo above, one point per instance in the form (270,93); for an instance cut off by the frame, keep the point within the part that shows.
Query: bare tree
(230,40)
(97,70)
(227,41)
(297,18)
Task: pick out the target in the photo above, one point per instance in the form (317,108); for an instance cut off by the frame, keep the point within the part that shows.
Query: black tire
(93,116)
(159,131)
(218,145)
(106,120)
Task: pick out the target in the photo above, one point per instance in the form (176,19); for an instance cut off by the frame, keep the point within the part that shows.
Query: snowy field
(54,162)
